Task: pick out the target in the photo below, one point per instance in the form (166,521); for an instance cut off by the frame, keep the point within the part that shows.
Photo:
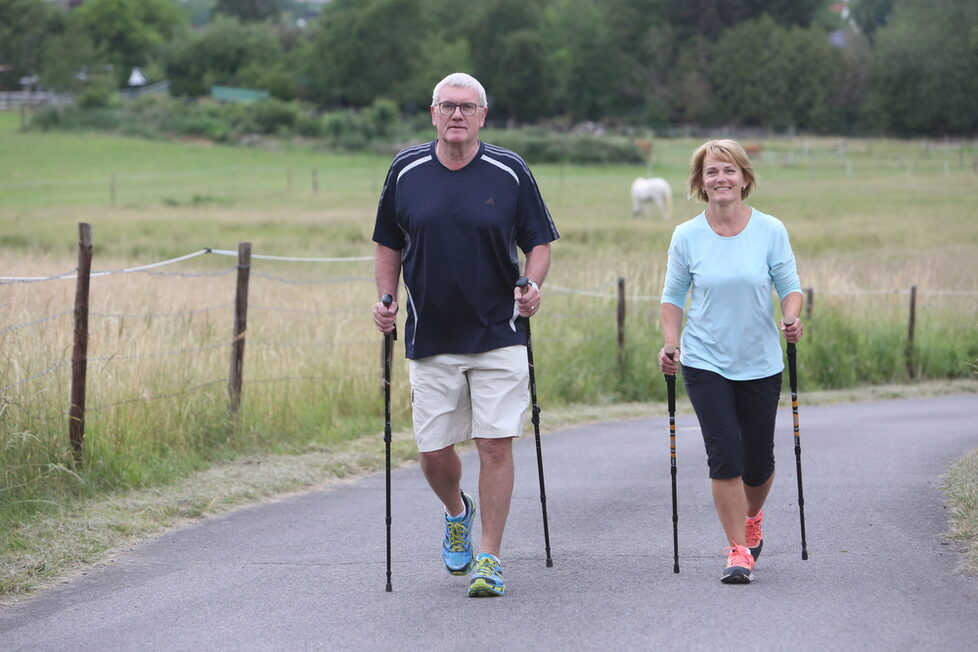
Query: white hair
(460,80)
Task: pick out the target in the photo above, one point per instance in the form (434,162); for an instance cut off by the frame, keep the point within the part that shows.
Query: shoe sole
(480,588)
(738,577)
(461,571)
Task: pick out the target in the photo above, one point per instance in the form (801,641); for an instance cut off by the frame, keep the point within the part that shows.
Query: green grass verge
(961,487)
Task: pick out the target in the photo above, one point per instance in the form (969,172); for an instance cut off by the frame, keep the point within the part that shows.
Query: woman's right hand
(669,365)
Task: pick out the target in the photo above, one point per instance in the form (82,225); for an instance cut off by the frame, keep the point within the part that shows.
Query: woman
(731,255)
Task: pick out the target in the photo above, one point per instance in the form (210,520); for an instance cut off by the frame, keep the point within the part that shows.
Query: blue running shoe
(456,551)
(487,579)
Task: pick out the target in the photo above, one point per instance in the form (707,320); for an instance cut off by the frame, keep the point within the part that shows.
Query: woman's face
(723,181)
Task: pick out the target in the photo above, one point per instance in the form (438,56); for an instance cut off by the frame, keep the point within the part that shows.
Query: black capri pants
(737,420)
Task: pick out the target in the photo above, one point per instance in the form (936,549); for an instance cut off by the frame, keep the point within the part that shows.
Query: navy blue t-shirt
(457,231)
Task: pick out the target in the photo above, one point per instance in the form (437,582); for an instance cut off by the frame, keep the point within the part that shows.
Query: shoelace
(456,536)
(753,532)
(487,566)
(737,557)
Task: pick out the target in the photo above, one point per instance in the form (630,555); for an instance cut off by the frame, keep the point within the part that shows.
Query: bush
(383,118)
(345,130)
(379,127)
(540,146)
(271,116)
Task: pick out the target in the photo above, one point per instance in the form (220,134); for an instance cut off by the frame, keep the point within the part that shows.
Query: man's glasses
(448,108)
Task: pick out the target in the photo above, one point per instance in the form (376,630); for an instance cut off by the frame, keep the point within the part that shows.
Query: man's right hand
(385,316)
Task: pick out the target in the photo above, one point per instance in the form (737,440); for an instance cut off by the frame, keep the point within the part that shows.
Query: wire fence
(196,334)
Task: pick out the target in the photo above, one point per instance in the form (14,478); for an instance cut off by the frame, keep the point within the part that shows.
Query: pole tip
(390,589)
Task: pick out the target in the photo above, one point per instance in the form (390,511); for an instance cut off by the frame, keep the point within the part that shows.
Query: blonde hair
(726,150)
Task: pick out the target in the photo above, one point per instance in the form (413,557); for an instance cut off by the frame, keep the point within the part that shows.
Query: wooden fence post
(236,375)
(79,356)
(911,324)
(621,326)
(809,302)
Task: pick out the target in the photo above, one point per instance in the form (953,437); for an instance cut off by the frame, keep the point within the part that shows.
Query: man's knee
(439,457)
(495,451)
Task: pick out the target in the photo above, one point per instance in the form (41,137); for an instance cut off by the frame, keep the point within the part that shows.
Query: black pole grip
(387,300)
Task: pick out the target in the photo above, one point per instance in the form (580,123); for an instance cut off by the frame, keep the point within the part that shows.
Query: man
(451,215)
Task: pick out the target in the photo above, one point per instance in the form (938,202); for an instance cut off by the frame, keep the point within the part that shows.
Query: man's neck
(456,156)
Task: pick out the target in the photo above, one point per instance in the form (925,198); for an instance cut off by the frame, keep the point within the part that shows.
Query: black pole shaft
(388,351)
(671,395)
(536,432)
(793,379)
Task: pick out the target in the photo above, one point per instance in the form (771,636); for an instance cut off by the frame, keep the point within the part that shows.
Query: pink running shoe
(740,566)
(755,540)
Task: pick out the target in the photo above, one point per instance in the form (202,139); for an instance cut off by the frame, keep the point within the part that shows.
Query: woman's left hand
(792,332)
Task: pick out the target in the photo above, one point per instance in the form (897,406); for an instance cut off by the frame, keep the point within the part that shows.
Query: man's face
(458,128)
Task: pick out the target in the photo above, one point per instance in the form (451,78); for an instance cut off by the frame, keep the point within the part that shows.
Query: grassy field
(868,220)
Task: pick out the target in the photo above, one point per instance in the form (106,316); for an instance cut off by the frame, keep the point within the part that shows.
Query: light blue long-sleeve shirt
(730,327)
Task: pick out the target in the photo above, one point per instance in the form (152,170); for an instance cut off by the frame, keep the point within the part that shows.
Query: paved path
(308,572)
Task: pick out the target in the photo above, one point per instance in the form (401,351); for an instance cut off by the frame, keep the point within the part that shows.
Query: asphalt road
(308,572)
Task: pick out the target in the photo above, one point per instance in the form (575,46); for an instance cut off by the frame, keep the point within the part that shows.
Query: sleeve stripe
(502,166)
(415,164)
(410,151)
(505,153)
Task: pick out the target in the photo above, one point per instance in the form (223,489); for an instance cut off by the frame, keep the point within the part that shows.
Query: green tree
(229,53)
(509,56)
(129,32)
(25,26)
(249,11)
(766,74)
(692,88)
(365,49)
(712,17)
(68,57)
(584,60)
(870,15)
(925,75)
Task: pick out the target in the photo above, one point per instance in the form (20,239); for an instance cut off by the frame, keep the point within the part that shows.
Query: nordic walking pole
(671,393)
(793,379)
(389,338)
(522,283)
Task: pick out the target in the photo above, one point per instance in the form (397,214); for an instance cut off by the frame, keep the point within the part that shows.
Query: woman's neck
(729,218)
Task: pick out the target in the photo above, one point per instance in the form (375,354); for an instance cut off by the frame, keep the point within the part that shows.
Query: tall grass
(159,344)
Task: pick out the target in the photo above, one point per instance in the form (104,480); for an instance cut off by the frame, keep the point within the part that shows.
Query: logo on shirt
(490,202)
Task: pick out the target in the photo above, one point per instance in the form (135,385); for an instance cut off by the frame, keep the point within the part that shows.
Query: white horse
(654,189)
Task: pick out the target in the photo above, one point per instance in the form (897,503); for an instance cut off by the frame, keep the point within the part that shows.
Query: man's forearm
(387,270)
(538,263)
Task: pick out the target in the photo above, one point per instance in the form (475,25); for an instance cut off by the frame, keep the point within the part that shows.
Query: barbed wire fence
(611,299)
